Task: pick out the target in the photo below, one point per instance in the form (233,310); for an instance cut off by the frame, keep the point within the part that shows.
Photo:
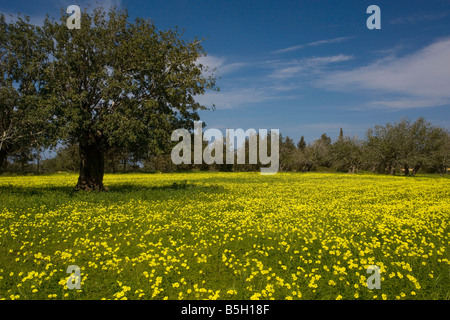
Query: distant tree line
(400,148)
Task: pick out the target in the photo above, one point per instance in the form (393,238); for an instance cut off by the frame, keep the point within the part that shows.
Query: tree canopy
(23,121)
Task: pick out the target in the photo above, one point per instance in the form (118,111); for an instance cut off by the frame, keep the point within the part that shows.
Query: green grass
(225,236)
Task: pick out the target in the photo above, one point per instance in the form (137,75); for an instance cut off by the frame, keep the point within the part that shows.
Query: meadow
(226,236)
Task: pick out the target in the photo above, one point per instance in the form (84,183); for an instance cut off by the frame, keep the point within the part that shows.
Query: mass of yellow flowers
(226,236)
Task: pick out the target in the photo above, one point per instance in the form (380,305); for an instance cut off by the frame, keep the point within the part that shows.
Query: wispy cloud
(234,98)
(328,59)
(268,80)
(407,103)
(312,44)
(219,64)
(421,79)
(293,68)
(420,18)
(389,52)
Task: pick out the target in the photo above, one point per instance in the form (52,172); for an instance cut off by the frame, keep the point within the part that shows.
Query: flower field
(226,236)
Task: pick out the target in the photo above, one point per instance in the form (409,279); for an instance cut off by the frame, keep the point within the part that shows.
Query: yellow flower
(255,296)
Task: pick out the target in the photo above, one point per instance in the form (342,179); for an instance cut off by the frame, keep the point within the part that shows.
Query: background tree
(306,159)
(346,154)
(380,153)
(247,166)
(24,123)
(67,159)
(116,84)
(301,145)
(440,157)
(405,146)
(287,154)
(341,134)
(425,142)
(319,151)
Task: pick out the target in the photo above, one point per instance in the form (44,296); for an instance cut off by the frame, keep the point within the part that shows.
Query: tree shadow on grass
(177,187)
(126,190)
(21,198)
(34,191)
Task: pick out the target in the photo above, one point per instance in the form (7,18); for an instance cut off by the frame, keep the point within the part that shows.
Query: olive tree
(120,84)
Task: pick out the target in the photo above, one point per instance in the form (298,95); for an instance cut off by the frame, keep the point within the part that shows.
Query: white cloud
(421,78)
(407,103)
(287,72)
(211,61)
(235,98)
(296,67)
(218,63)
(312,44)
(327,60)
(420,17)
(264,88)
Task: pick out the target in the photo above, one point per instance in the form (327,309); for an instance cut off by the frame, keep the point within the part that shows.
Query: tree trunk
(392,171)
(124,165)
(3,156)
(38,159)
(416,169)
(23,161)
(113,163)
(92,168)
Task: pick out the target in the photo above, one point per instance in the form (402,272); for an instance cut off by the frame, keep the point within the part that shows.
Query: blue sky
(307,67)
